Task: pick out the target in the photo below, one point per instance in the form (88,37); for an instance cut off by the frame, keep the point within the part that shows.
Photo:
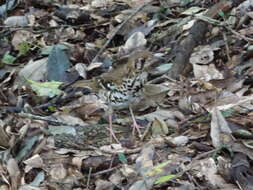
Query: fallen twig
(50,120)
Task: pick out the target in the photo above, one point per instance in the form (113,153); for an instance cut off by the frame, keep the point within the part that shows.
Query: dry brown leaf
(208,169)
(4,138)
(103,184)
(159,128)
(21,36)
(85,106)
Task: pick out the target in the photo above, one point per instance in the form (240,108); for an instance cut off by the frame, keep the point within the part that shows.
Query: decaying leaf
(179,140)
(203,67)
(136,41)
(159,128)
(33,162)
(208,169)
(112,55)
(49,89)
(58,172)
(163,114)
(14,173)
(4,138)
(145,160)
(220,131)
(21,36)
(34,70)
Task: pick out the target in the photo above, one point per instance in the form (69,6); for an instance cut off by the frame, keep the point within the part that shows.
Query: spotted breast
(124,95)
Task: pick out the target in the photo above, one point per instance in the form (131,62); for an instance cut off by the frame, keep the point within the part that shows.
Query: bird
(121,87)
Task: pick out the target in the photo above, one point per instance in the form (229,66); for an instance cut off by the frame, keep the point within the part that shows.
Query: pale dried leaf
(208,169)
(116,178)
(136,41)
(163,114)
(207,72)
(86,105)
(113,148)
(101,3)
(33,162)
(224,98)
(103,184)
(81,69)
(188,25)
(144,184)
(77,161)
(34,70)
(16,21)
(159,128)
(128,171)
(202,55)
(94,65)
(13,168)
(219,127)
(243,100)
(180,140)
(58,172)
(192,10)
(145,161)
(69,119)
(4,138)
(246,31)
(14,172)
(20,36)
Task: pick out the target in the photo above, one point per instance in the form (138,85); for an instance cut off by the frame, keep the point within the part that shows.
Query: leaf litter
(184,68)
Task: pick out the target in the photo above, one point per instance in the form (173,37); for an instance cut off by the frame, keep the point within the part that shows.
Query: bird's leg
(135,124)
(112,134)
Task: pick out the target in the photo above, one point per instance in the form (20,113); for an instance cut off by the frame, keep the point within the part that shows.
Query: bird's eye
(140,63)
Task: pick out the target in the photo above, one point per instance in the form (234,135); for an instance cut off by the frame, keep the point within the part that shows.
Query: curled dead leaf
(159,128)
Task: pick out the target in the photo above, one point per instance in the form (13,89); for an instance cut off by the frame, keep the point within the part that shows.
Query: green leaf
(122,158)
(164,179)
(24,48)
(221,13)
(51,108)
(228,112)
(158,169)
(49,89)
(8,58)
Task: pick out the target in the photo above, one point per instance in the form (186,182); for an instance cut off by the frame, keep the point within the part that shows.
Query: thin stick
(50,120)
(227,47)
(105,171)
(88,180)
(117,30)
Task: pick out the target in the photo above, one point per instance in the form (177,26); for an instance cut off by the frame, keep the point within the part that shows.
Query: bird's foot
(136,126)
(112,135)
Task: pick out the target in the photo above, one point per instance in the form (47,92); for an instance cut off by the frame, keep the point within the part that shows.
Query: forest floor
(76,76)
